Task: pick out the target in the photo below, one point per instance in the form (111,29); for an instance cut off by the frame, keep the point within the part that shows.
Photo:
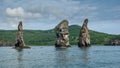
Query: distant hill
(47,37)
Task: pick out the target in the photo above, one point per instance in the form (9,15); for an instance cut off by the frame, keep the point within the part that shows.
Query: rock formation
(113,43)
(19,39)
(62,34)
(84,37)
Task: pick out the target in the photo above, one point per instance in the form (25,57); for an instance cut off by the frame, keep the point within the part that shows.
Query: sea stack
(84,37)
(62,35)
(19,39)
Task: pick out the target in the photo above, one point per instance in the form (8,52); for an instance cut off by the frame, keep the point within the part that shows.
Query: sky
(103,15)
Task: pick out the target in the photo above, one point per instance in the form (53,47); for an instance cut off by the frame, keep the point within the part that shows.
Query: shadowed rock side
(84,37)
(19,39)
(62,34)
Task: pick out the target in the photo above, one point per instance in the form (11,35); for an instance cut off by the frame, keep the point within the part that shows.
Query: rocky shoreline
(6,44)
(113,43)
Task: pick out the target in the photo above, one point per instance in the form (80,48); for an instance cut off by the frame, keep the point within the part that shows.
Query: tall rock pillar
(62,34)
(19,38)
(84,37)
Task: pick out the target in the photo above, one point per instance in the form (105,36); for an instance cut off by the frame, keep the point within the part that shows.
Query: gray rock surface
(62,34)
(84,37)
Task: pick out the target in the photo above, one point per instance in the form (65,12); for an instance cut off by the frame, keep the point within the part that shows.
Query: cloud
(62,9)
(43,12)
(55,12)
(15,12)
(20,13)
(13,25)
(33,15)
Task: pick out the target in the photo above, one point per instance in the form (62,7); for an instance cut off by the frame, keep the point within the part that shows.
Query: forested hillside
(47,37)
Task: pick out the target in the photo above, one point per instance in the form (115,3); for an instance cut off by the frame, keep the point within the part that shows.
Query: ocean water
(50,57)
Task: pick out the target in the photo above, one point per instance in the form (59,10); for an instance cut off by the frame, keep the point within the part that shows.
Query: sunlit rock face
(84,37)
(19,38)
(62,34)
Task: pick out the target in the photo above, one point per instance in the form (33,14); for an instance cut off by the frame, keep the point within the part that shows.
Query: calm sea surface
(50,57)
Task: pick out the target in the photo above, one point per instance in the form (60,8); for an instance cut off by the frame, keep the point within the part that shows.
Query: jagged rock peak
(20,26)
(84,37)
(63,23)
(62,34)
(19,39)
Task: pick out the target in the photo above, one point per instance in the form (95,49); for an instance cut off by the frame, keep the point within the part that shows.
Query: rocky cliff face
(84,37)
(19,38)
(62,34)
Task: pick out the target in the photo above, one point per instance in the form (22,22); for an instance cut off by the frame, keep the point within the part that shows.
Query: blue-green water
(50,57)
